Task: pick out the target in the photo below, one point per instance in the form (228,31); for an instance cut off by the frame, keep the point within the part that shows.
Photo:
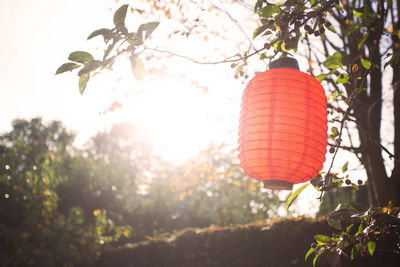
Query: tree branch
(227,60)
(348,148)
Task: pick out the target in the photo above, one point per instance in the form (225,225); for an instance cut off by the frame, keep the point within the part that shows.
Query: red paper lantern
(283,126)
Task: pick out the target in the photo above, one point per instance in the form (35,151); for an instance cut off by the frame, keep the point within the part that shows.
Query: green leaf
(260,30)
(106,33)
(334,61)
(239,69)
(338,6)
(120,15)
(329,26)
(277,45)
(317,255)
(258,5)
(360,229)
(344,167)
(137,67)
(358,12)
(80,57)
(263,56)
(335,131)
(371,245)
(366,63)
(148,28)
(355,186)
(322,239)
(269,10)
(343,78)
(309,252)
(322,77)
(349,228)
(295,195)
(337,217)
(67,67)
(83,82)
(90,66)
(267,33)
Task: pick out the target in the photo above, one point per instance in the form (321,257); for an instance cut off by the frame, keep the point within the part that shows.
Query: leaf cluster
(284,24)
(327,182)
(118,41)
(361,233)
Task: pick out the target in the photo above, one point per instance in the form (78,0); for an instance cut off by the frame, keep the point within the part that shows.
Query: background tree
(61,204)
(31,229)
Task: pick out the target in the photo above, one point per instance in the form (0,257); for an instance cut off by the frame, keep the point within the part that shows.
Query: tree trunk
(368,109)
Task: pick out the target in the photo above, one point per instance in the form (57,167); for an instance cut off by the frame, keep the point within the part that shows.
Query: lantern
(283,126)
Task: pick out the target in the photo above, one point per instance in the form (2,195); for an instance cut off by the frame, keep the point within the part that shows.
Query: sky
(37,39)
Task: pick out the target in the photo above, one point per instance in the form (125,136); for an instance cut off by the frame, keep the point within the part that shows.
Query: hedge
(280,244)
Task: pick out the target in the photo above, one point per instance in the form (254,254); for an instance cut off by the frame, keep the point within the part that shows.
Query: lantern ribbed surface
(283,128)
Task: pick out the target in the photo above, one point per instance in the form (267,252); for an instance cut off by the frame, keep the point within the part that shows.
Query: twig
(227,60)
(349,148)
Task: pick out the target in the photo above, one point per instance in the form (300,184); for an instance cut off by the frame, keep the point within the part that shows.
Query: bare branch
(227,60)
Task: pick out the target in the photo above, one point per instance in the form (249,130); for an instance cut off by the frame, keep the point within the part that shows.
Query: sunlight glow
(178,115)
(174,117)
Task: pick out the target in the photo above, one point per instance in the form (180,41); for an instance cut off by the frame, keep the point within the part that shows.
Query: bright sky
(36,38)
(39,35)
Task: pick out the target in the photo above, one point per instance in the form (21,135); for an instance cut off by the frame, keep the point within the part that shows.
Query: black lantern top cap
(284,62)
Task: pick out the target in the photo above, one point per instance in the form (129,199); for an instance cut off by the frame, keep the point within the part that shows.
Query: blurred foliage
(61,205)
(33,232)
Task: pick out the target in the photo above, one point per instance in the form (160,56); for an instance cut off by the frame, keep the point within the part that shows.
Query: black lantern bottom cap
(277,185)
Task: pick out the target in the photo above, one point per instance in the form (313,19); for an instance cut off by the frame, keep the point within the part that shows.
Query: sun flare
(179,116)
(174,117)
